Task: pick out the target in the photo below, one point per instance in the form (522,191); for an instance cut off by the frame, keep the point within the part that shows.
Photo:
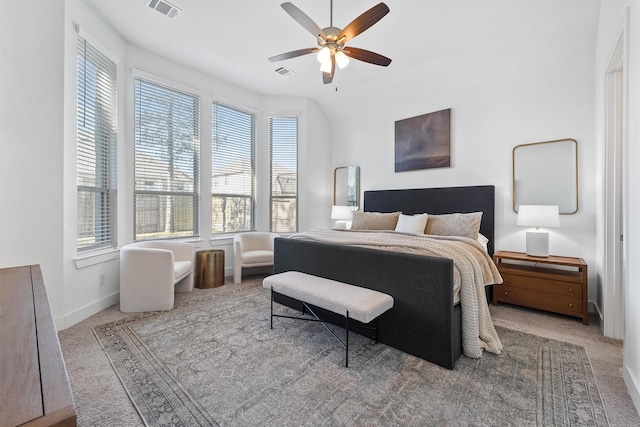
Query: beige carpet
(174,365)
(101,399)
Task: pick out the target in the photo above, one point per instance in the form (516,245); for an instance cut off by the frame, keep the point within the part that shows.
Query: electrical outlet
(102,279)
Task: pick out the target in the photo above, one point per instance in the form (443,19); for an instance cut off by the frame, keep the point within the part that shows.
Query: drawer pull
(505,292)
(570,289)
(570,305)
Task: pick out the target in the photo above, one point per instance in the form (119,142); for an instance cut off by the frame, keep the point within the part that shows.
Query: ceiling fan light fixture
(324,55)
(325,67)
(331,40)
(342,60)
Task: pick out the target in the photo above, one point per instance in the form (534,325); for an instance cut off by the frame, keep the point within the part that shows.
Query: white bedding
(473,270)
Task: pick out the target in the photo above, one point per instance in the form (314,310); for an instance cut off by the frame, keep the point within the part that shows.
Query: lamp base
(538,243)
(340,225)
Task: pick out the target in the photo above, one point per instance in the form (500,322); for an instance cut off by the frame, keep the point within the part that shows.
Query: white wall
(621,18)
(31,139)
(531,87)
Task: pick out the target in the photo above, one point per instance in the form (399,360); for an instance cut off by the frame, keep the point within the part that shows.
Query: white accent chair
(252,249)
(150,273)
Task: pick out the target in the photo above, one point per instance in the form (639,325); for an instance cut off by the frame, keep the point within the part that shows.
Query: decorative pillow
(456,224)
(414,224)
(374,221)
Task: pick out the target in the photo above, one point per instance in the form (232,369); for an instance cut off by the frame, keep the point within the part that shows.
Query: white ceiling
(233,39)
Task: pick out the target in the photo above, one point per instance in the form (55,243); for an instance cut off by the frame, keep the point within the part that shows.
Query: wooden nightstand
(554,283)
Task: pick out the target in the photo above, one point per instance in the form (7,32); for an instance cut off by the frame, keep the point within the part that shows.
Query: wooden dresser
(34,387)
(554,283)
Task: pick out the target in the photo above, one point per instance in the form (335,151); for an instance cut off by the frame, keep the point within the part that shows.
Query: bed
(424,321)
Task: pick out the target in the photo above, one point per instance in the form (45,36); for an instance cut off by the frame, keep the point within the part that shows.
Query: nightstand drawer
(543,285)
(537,299)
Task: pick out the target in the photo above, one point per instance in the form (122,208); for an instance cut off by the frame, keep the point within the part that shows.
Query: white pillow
(413,224)
(483,241)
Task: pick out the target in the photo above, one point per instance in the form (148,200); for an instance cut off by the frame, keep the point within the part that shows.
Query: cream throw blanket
(473,270)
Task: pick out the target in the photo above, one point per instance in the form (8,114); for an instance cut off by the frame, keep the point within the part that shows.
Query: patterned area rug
(216,362)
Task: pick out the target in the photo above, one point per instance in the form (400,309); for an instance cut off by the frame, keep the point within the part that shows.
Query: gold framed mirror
(346,186)
(546,173)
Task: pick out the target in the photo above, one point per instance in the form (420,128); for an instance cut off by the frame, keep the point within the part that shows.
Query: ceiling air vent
(164,7)
(284,71)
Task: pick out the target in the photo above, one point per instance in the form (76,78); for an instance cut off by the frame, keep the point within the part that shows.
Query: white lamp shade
(538,216)
(342,60)
(324,55)
(325,67)
(341,213)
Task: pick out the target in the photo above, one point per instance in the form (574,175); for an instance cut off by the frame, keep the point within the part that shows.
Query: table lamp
(343,215)
(538,216)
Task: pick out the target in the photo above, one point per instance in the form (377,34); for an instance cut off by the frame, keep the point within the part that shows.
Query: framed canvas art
(424,142)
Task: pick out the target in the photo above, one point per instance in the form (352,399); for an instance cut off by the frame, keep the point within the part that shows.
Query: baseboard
(86,311)
(594,308)
(632,387)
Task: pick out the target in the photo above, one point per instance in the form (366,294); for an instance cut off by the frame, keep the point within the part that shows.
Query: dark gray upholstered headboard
(435,201)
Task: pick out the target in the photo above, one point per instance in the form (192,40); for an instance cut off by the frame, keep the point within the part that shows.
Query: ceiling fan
(331,40)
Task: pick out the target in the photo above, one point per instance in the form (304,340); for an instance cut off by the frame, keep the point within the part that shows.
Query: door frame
(615,180)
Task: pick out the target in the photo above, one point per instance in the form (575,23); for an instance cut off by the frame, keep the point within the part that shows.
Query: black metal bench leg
(346,359)
(375,332)
(272,308)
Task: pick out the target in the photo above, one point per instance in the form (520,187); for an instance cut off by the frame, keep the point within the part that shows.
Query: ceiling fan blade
(328,77)
(362,22)
(302,19)
(293,54)
(367,56)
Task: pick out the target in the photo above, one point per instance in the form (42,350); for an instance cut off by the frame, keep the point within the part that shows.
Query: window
(233,169)
(96,149)
(167,155)
(283,139)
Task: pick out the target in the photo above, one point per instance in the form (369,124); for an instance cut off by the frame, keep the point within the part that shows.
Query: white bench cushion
(363,304)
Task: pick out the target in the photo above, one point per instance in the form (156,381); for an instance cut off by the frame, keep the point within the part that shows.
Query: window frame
(103,124)
(272,199)
(252,160)
(169,88)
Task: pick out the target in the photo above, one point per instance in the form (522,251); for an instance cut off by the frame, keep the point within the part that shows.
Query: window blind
(283,141)
(166,161)
(96,148)
(233,169)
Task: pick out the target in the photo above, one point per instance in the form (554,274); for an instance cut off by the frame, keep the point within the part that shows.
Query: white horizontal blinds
(233,169)
(96,148)
(166,163)
(284,174)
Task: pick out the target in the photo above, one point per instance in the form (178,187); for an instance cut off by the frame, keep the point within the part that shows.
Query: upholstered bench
(352,302)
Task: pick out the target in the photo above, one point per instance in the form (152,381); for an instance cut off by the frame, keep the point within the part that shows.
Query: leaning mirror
(546,173)
(346,186)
